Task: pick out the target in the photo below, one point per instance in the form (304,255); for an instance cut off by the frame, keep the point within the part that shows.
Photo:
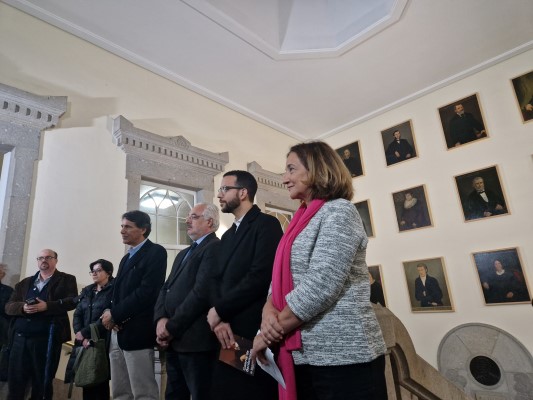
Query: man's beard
(231,205)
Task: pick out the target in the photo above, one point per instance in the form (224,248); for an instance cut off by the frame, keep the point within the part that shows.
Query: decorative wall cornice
(271,190)
(167,150)
(23,108)
(266,179)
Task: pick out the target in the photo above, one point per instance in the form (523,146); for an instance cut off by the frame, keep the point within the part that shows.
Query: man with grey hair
(181,310)
(483,202)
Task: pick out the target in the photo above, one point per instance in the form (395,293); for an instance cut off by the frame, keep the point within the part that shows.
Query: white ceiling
(308,68)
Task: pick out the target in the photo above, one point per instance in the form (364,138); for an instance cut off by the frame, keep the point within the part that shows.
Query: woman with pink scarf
(318,317)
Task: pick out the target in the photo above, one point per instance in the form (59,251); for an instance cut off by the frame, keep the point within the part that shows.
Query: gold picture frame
(399,144)
(523,91)
(481,194)
(412,209)
(462,122)
(502,279)
(365,212)
(427,284)
(377,286)
(351,156)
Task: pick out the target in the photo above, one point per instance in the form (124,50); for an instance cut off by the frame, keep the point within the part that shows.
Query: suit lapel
(177,267)
(180,265)
(231,243)
(127,264)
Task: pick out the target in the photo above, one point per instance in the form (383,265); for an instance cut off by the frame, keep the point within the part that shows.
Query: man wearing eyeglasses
(181,310)
(245,271)
(39,306)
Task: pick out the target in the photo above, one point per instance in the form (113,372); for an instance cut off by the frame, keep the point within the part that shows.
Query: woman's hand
(258,350)
(271,330)
(79,337)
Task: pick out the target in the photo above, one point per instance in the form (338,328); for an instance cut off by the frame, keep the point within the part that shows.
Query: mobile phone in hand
(31,301)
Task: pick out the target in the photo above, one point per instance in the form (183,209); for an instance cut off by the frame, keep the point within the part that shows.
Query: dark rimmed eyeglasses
(224,189)
(95,271)
(47,258)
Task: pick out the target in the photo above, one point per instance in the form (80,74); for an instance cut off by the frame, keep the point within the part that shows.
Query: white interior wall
(510,146)
(80,188)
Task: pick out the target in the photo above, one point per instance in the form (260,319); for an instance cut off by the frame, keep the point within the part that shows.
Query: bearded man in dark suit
(245,271)
(464,127)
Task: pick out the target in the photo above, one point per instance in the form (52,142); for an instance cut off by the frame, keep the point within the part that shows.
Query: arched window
(168,209)
(151,158)
(284,217)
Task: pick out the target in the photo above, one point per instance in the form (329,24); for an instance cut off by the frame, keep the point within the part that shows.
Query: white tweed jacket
(332,290)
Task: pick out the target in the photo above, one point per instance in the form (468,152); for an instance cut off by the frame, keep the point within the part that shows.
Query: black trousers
(27,361)
(364,381)
(189,374)
(98,392)
(232,384)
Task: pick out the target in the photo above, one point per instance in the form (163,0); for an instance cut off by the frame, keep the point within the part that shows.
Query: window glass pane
(167,206)
(183,211)
(284,217)
(166,230)
(147,204)
(182,232)
(168,210)
(144,189)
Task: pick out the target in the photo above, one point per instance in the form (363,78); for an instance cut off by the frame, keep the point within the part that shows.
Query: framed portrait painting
(523,90)
(428,285)
(501,277)
(351,155)
(412,208)
(399,143)
(462,122)
(377,289)
(481,194)
(363,207)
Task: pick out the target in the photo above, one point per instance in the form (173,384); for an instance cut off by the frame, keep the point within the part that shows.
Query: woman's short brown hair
(328,176)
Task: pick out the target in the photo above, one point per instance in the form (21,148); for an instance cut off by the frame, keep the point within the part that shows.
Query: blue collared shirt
(135,249)
(198,241)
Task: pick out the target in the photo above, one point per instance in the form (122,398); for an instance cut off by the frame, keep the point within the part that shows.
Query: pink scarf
(282,284)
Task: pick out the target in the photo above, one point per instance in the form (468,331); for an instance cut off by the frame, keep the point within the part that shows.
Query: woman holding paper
(319,313)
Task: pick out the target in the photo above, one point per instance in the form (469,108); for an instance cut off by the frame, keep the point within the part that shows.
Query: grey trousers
(132,373)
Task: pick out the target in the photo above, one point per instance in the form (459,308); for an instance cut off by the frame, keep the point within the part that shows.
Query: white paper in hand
(272,369)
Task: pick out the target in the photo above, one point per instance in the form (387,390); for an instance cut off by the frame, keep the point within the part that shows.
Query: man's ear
(243,193)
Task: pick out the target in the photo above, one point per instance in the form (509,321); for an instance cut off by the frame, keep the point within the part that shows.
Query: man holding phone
(39,325)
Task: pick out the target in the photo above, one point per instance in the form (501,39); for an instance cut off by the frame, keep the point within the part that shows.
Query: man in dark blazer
(38,326)
(483,202)
(140,276)
(244,275)
(399,149)
(427,289)
(464,127)
(181,310)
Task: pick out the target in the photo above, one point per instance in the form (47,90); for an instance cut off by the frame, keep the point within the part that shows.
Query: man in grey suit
(181,310)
